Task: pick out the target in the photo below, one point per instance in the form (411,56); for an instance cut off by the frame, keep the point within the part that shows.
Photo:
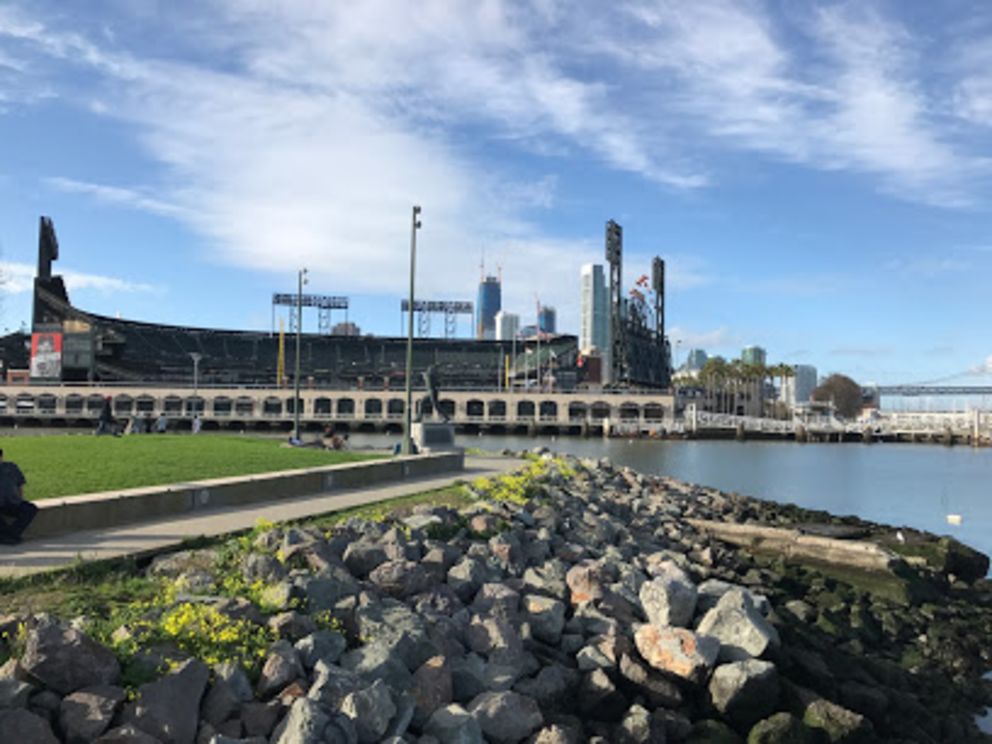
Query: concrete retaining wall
(59,516)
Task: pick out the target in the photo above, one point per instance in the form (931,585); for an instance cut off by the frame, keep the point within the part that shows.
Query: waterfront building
(489,303)
(546,319)
(799,388)
(754,355)
(696,360)
(507,325)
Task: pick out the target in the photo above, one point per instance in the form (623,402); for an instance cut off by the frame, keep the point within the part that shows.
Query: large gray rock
(432,688)
(496,599)
(742,630)
(658,690)
(361,558)
(331,684)
(393,625)
(281,667)
(308,723)
(546,617)
(745,691)
(378,661)
(220,703)
(489,635)
(65,659)
(837,723)
(781,728)
(370,710)
(19,725)
(169,708)
(670,597)
(234,676)
(553,687)
(14,693)
(325,591)
(402,578)
(453,725)
(548,579)
(640,727)
(506,716)
(466,577)
(585,583)
(678,651)
(322,644)
(85,714)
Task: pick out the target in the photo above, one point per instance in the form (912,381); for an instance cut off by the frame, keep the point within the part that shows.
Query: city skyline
(814,178)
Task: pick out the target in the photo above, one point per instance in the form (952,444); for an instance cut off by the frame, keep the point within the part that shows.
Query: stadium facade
(68,344)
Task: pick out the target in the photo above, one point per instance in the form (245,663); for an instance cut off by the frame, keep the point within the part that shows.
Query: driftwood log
(797,544)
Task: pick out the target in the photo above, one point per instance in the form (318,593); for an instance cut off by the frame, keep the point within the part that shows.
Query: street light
(408,413)
(302,279)
(196,357)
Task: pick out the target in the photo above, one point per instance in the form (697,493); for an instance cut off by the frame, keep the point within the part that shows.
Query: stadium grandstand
(68,344)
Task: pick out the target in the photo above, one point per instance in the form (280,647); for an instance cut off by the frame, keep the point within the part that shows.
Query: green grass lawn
(63,465)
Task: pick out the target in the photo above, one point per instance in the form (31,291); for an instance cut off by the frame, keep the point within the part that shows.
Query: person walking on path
(12,503)
(197,424)
(106,424)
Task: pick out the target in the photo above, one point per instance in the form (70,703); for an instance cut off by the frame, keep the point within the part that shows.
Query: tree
(843,392)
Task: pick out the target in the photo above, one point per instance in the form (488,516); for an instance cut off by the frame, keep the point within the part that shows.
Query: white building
(799,388)
(594,327)
(594,323)
(507,325)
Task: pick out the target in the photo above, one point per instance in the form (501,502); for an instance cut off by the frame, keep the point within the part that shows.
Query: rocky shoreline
(570,602)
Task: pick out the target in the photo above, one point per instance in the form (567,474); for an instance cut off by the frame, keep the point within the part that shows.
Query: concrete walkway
(46,554)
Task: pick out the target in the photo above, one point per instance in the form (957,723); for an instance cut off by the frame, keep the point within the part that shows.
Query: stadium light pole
(302,279)
(407,412)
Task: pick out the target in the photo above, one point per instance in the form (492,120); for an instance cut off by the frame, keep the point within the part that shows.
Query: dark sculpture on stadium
(430,382)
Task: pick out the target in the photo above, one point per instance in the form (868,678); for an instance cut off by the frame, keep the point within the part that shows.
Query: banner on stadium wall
(46,355)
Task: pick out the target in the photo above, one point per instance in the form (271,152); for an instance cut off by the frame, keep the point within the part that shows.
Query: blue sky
(817,175)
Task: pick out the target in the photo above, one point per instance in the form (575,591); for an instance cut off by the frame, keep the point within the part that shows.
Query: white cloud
(843,94)
(18,278)
(327,121)
(116,195)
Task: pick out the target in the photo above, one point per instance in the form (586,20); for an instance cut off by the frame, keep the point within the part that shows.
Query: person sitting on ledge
(12,503)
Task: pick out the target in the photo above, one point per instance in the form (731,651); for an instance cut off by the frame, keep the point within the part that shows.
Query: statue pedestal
(432,437)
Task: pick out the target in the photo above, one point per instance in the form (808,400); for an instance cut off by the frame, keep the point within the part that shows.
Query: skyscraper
(490,302)
(696,360)
(594,326)
(507,325)
(799,388)
(546,319)
(754,355)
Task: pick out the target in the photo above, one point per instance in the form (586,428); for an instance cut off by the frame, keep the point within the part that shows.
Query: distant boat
(954,519)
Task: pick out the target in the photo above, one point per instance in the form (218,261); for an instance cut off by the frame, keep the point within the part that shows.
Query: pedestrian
(197,424)
(12,503)
(106,424)
(162,425)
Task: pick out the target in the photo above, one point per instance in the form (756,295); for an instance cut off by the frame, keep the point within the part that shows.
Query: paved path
(45,554)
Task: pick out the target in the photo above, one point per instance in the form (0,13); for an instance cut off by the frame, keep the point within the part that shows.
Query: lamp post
(407,409)
(301,280)
(196,357)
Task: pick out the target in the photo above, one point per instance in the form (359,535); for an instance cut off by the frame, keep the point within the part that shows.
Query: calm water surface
(897,484)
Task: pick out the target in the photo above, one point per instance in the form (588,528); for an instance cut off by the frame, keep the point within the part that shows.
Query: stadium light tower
(407,411)
(299,324)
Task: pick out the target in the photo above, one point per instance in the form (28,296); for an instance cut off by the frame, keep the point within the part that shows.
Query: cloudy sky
(818,175)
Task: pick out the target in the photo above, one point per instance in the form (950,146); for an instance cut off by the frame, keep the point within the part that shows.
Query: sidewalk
(46,554)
